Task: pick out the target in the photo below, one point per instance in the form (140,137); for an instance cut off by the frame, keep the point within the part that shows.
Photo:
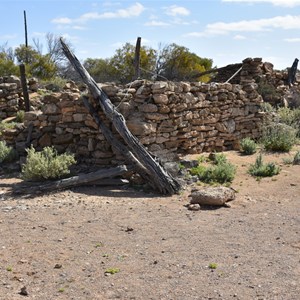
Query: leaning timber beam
(117,146)
(33,188)
(163,181)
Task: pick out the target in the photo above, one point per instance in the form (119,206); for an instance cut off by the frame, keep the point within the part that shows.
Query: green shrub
(287,160)
(20,116)
(290,117)
(218,158)
(248,146)
(278,137)
(6,125)
(7,153)
(266,107)
(259,169)
(46,164)
(221,171)
(296,159)
(267,90)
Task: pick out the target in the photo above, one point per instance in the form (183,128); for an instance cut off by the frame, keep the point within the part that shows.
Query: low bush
(278,137)
(218,158)
(7,153)
(267,90)
(20,116)
(221,171)
(290,117)
(248,146)
(46,164)
(296,159)
(259,169)
(6,125)
(267,107)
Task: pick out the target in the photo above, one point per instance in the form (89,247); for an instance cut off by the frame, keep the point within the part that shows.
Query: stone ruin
(169,118)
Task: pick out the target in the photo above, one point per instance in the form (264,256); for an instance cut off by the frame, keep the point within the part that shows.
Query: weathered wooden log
(163,181)
(117,146)
(78,180)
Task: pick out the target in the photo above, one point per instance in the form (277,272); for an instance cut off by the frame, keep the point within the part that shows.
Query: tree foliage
(120,66)
(173,62)
(177,63)
(37,65)
(43,66)
(7,66)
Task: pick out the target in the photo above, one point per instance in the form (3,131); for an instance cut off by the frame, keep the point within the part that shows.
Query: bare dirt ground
(59,245)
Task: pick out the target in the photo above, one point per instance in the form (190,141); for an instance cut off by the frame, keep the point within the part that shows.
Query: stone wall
(10,96)
(168,118)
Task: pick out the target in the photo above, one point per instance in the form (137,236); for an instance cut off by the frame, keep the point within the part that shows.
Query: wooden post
(24,87)
(159,177)
(137,59)
(292,72)
(26,37)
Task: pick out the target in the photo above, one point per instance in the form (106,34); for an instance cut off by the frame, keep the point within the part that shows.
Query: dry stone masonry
(10,96)
(167,117)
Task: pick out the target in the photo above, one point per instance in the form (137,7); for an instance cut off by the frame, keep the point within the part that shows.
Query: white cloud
(132,11)
(284,3)
(175,10)
(154,23)
(8,37)
(222,28)
(38,34)
(239,37)
(292,40)
(62,21)
(71,38)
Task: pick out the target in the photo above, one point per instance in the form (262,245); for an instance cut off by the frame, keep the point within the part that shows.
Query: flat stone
(215,196)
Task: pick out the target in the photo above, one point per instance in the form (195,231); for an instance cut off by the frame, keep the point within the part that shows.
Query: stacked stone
(10,96)
(168,118)
(252,69)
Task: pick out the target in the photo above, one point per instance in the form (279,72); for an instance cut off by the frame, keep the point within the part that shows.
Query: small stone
(58,266)
(23,291)
(128,229)
(194,207)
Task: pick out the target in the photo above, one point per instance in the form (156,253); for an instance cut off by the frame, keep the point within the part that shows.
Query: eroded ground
(59,245)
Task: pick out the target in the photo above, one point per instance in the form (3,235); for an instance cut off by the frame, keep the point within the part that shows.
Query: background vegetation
(171,62)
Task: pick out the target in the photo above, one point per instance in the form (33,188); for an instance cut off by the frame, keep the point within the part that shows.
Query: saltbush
(296,159)
(278,137)
(20,116)
(248,146)
(260,169)
(46,164)
(7,153)
(221,171)
(290,117)
(267,107)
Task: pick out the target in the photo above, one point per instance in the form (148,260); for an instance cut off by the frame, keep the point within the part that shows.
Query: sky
(226,31)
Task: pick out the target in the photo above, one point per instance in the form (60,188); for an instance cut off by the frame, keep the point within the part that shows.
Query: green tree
(122,62)
(7,66)
(176,62)
(37,65)
(100,69)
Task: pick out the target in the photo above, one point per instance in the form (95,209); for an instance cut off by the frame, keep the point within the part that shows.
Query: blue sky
(226,31)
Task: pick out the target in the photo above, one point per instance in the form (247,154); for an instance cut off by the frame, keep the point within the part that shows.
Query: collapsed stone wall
(168,118)
(11,99)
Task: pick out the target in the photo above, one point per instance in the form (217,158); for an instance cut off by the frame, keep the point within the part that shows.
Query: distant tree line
(171,62)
